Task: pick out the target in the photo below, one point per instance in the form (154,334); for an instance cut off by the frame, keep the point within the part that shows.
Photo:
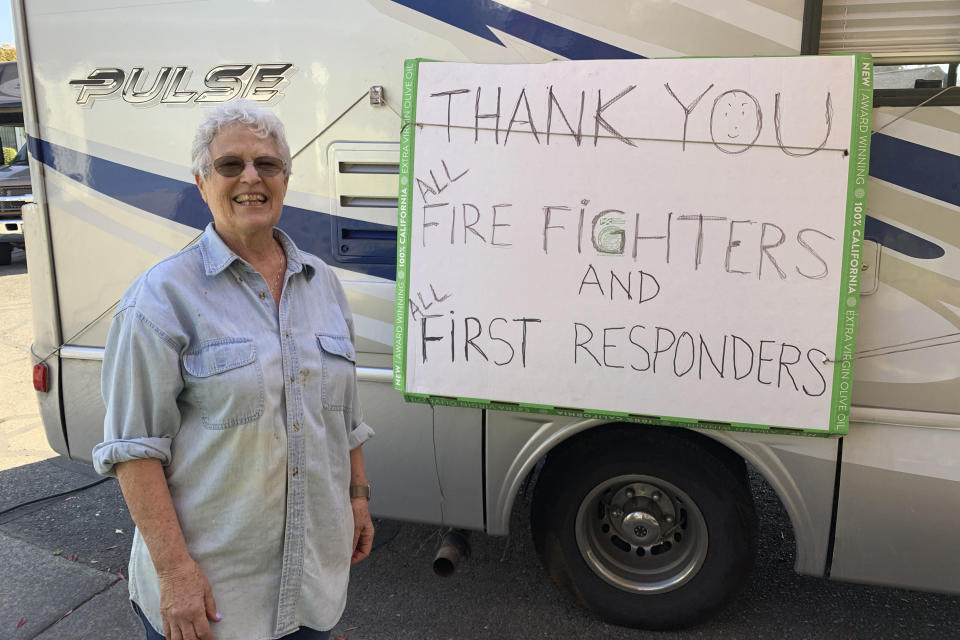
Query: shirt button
(296,427)
(286,333)
(349,355)
(295,471)
(291,379)
(239,279)
(262,295)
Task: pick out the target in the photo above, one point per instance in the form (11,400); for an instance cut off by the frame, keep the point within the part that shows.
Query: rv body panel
(897,514)
(908,355)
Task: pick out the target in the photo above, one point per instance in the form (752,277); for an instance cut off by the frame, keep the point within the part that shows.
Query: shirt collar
(217,256)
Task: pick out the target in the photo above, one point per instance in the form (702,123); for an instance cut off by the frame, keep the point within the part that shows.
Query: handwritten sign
(669,241)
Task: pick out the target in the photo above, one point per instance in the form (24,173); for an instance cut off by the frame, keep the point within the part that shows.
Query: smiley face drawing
(735,121)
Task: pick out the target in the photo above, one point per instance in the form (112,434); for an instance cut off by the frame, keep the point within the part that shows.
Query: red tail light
(40,377)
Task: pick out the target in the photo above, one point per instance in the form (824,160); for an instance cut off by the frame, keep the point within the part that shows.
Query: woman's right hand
(186,603)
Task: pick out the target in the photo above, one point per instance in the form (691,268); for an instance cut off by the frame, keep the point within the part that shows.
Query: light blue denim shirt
(253,411)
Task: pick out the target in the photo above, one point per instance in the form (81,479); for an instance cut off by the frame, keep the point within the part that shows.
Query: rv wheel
(5,251)
(644,526)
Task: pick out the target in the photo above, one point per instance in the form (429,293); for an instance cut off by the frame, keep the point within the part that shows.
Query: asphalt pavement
(63,564)
(65,537)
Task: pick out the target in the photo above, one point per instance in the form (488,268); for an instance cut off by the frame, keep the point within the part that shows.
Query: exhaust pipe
(454,547)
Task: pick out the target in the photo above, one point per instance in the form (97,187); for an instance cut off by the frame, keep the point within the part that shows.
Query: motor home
(114,90)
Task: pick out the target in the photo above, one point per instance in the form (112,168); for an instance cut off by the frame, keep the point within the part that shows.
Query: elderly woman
(233,423)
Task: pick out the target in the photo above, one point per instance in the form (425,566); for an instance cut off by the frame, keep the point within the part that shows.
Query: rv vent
(369,167)
(354,201)
(366,181)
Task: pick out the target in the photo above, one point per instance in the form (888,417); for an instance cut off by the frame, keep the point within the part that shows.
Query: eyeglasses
(232,166)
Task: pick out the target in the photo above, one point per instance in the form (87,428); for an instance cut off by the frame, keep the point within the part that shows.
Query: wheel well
(609,431)
(770,507)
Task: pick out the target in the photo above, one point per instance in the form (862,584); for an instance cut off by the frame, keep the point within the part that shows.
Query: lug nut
(656,495)
(668,518)
(629,493)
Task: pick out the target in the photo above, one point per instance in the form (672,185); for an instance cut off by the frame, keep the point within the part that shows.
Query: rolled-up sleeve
(360,431)
(140,382)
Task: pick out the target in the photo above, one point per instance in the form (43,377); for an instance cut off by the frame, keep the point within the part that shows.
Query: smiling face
(735,121)
(245,208)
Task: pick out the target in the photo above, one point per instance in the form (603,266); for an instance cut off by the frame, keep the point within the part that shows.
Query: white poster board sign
(670,241)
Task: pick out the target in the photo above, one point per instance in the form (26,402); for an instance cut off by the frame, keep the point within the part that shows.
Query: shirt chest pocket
(224,380)
(339,371)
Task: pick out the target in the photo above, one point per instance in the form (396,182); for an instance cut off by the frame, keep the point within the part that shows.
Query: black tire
(5,251)
(698,533)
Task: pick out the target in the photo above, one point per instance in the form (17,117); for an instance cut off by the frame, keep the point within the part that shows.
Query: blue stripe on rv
(180,201)
(918,168)
(477,16)
(915,167)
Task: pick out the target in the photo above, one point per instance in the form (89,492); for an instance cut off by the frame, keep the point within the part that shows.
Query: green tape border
(848,306)
(408,111)
(616,416)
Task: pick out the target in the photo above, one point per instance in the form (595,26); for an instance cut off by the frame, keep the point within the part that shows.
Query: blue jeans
(303,634)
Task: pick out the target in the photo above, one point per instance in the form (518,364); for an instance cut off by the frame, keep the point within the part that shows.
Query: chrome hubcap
(641,534)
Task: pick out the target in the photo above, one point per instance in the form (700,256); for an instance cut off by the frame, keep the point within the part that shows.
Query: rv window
(910,76)
(907,85)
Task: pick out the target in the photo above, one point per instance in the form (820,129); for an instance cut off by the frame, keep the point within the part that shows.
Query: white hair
(264,124)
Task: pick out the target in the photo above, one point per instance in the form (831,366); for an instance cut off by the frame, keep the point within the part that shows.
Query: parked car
(15,190)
